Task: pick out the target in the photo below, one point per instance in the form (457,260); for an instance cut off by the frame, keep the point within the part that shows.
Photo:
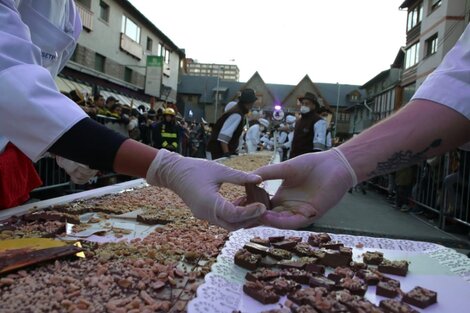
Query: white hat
(290,119)
(282,125)
(230,105)
(264,122)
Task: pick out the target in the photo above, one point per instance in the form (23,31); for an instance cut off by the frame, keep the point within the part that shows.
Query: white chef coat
(230,126)
(319,138)
(37,37)
(253,138)
(449,84)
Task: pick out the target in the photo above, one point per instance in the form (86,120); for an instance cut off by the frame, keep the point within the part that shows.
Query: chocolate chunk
(261,241)
(257,194)
(246,259)
(373,258)
(399,268)
(315,268)
(285,244)
(395,306)
(335,258)
(316,239)
(282,286)
(363,305)
(294,238)
(389,289)
(322,281)
(256,248)
(333,245)
(420,297)
(260,292)
(305,296)
(304,309)
(356,266)
(355,285)
(371,277)
(297,275)
(262,274)
(341,272)
(276,239)
(303,249)
(279,254)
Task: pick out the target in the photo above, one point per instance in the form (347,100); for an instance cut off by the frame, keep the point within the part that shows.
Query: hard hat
(290,119)
(169,111)
(264,122)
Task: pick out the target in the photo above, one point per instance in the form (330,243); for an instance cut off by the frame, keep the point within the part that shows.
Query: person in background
(37,38)
(115,111)
(166,134)
(229,127)
(325,113)
(253,135)
(110,102)
(313,183)
(310,129)
(99,102)
(133,126)
(286,146)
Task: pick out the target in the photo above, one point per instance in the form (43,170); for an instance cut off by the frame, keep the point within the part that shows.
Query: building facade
(111,55)
(223,71)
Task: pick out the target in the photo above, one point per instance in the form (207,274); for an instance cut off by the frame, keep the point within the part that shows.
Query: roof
(377,78)
(407,3)
(167,41)
(205,86)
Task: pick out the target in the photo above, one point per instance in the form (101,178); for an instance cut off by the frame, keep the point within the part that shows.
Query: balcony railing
(86,16)
(131,47)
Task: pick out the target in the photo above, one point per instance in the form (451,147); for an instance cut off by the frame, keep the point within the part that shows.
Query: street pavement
(371,215)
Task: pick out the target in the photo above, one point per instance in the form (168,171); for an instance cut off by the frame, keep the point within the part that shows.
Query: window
(414,16)
(166,55)
(104,11)
(408,92)
(435,4)
(128,74)
(100,61)
(149,43)
(131,29)
(431,45)
(412,55)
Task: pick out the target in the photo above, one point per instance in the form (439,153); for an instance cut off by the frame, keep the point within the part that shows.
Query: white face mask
(304,109)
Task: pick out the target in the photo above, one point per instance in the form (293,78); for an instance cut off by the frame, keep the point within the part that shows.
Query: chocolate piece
(260,292)
(52,216)
(399,268)
(322,281)
(329,305)
(246,259)
(256,248)
(257,194)
(355,285)
(335,258)
(276,239)
(282,286)
(262,274)
(373,258)
(333,245)
(300,276)
(363,306)
(303,249)
(389,289)
(371,277)
(261,241)
(285,244)
(356,266)
(315,268)
(342,295)
(294,238)
(341,272)
(420,297)
(300,263)
(316,239)
(304,309)
(279,254)
(305,296)
(395,306)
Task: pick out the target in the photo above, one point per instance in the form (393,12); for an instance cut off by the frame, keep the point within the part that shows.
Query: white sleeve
(282,137)
(34,114)
(251,132)
(319,138)
(229,127)
(449,84)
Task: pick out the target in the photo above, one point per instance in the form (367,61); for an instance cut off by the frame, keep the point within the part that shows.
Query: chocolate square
(388,289)
(262,274)
(282,285)
(246,259)
(303,249)
(322,281)
(420,297)
(355,285)
(316,239)
(371,277)
(399,268)
(285,244)
(373,258)
(395,306)
(261,292)
(297,275)
(279,254)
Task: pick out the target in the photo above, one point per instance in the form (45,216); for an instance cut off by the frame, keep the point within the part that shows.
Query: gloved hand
(313,184)
(79,173)
(197,182)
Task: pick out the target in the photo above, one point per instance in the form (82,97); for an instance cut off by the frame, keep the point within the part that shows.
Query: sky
(345,41)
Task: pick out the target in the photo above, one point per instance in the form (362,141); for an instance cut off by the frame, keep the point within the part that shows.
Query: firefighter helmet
(169,111)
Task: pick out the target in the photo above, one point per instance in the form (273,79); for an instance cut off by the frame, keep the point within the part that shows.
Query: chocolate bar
(246,259)
(256,248)
(279,254)
(260,292)
(399,268)
(395,306)
(373,258)
(262,274)
(355,285)
(388,289)
(316,239)
(420,297)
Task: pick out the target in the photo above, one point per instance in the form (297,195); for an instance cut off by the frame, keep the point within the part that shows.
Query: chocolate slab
(399,268)
(420,297)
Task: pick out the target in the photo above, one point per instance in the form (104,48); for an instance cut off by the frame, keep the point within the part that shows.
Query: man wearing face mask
(310,129)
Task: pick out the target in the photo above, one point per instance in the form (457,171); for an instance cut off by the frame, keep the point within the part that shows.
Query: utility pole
(217,93)
(337,106)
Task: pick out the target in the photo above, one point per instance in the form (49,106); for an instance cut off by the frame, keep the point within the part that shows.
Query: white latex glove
(313,183)
(79,173)
(197,182)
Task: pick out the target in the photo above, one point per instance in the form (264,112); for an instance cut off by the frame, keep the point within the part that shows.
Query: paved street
(372,215)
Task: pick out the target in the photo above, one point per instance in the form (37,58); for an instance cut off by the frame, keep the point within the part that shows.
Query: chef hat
(264,122)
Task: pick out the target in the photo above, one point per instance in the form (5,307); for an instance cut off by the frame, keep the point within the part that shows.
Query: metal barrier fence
(54,177)
(440,185)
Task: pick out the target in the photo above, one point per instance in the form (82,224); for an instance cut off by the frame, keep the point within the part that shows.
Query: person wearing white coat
(253,135)
(37,37)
